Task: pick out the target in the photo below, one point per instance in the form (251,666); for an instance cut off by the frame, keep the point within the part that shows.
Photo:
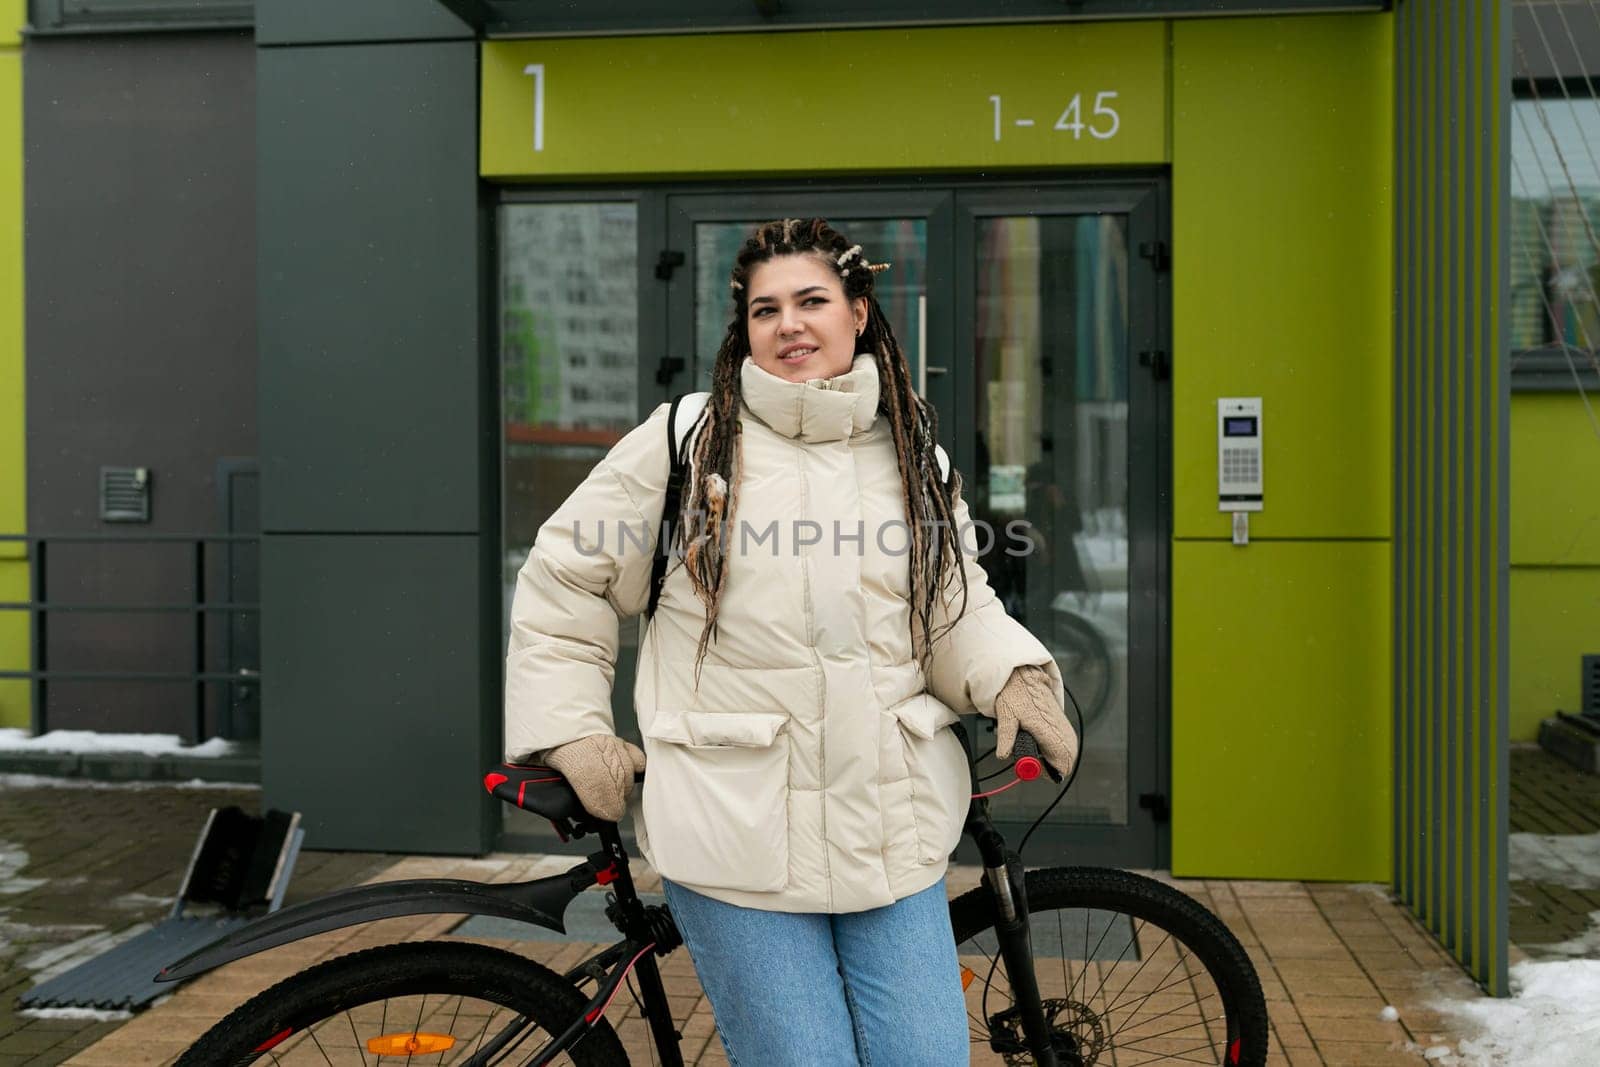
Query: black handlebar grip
(1025,747)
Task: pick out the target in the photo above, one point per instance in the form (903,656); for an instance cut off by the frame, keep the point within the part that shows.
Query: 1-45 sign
(1102,125)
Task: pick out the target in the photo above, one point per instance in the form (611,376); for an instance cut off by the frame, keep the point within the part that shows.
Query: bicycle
(472,1005)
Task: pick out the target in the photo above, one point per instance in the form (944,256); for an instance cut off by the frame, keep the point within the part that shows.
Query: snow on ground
(80,741)
(13,858)
(1585,946)
(84,1014)
(1570,860)
(1550,1019)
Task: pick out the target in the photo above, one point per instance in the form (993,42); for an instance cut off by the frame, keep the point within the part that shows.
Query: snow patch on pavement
(1570,860)
(13,858)
(1586,945)
(81,741)
(1549,1019)
(85,1014)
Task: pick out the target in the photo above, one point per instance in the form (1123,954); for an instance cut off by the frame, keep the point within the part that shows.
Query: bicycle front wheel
(1129,971)
(420,1003)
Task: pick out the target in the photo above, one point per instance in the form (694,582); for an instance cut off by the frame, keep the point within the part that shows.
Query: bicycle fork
(1002,872)
(649,932)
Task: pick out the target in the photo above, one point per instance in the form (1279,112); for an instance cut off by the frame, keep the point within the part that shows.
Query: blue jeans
(877,988)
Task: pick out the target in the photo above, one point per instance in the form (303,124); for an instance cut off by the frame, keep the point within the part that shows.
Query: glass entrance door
(1021,310)
(1024,310)
(1053,300)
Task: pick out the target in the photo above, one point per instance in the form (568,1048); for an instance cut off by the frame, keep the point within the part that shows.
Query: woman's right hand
(600,769)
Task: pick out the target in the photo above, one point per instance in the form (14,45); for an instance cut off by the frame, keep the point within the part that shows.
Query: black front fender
(542,902)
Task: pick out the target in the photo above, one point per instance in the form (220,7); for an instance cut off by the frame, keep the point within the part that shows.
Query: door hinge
(1156,253)
(1158,361)
(667,262)
(1157,805)
(667,369)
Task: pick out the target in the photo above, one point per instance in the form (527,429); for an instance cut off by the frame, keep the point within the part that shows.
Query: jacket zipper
(822,677)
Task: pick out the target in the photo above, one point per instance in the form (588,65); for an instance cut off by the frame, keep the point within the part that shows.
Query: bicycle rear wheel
(421,1003)
(1129,971)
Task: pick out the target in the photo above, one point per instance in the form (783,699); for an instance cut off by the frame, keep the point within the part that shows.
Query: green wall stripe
(1451,418)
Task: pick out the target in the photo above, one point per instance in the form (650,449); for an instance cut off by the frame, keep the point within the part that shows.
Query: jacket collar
(820,410)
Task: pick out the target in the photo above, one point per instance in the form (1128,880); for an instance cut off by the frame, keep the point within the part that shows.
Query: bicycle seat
(541,790)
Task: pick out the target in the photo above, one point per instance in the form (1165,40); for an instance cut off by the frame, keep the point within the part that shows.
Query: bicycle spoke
(415,1029)
(1182,1055)
(453,1017)
(1136,1042)
(1118,998)
(1133,942)
(482,1033)
(355,1037)
(1169,1011)
(312,1034)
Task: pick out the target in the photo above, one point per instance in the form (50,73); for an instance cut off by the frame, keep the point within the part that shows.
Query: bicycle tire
(1241,1023)
(344,986)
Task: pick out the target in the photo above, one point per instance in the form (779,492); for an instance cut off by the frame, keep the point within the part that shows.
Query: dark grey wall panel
(374,726)
(369,283)
(380,627)
(141,341)
(314,21)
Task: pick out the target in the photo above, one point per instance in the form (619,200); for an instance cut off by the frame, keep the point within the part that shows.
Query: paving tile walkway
(83,864)
(1553,806)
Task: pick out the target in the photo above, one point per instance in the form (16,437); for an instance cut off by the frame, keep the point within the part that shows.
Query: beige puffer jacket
(813,769)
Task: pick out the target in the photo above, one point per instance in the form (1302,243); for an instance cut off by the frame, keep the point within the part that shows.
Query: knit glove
(1028,700)
(600,769)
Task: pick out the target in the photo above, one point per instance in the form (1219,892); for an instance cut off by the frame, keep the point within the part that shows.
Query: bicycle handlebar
(1025,753)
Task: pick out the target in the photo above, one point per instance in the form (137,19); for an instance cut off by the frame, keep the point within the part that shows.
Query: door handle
(667,369)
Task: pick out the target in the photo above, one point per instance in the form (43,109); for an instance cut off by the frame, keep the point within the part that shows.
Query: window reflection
(1050,355)
(569,338)
(1555,208)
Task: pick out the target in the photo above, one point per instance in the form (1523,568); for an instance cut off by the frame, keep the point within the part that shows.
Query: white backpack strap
(944,464)
(690,409)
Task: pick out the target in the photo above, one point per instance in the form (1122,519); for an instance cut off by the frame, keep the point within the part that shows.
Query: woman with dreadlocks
(796,686)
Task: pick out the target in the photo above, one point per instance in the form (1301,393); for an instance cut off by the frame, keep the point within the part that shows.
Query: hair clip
(855,250)
(733,283)
(879,268)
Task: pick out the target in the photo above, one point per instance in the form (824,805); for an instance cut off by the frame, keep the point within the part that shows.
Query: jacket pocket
(936,766)
(716,798)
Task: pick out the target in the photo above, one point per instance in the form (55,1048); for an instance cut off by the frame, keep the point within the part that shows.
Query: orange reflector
(966,976)
(409,1044)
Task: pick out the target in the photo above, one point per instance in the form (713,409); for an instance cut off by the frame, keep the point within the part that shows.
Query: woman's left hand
(1028,700)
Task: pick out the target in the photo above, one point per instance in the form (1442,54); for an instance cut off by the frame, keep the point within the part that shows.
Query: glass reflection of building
(1555,216)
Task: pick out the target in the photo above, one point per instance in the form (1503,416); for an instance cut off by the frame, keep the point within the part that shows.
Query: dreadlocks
(713,494)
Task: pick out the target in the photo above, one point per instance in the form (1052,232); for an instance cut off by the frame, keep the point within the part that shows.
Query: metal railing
(41,608)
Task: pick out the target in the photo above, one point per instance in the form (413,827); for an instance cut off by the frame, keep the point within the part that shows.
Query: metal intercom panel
(1239,453)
